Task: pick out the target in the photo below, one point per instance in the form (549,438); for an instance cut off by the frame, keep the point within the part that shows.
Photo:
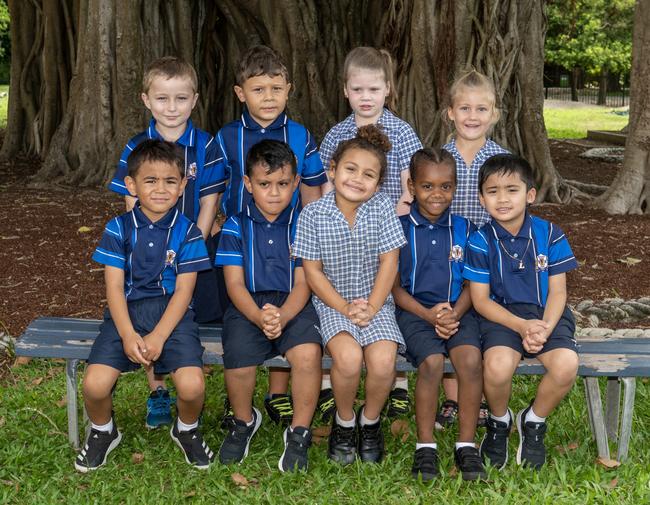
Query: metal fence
(589,95)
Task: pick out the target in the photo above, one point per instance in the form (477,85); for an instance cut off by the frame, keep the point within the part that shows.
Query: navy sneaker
(468,461)
(425,464)
(531,451)
(228,414)
(196,451)
(159,411)
(279,408)
(494,447)
(234,448)
(98,446)
(326,406)
(296,443)
(399,403)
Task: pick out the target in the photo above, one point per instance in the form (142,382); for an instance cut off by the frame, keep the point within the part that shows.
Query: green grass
(4,103)
(574,123)
(36,462)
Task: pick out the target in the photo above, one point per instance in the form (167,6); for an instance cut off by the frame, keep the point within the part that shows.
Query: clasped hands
(144,350)
(534,334)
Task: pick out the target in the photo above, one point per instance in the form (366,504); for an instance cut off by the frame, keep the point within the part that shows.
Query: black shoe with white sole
(98,446)
(296,444)
(196,451)
(494,447)
(234,448)
(531,451)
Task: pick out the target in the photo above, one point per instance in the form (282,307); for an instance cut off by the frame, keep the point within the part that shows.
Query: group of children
(375,246)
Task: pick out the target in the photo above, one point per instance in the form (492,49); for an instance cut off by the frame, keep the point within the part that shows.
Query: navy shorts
(210,295)
(244,344)
(422,340)
(182,348)
(562,337)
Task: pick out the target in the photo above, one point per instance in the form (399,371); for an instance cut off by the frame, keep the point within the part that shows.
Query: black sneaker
(494,447)
(279,408)
(371,442)
(98,446)
(425,464)
(531,451)
(447,414)
(468,461)
(342,444)
(296,442)
(196,451)
(399,403)
(326,406)
(234,448)
(483,413)
(228,414)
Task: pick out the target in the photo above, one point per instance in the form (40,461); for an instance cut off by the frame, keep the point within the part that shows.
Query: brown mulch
(47,238)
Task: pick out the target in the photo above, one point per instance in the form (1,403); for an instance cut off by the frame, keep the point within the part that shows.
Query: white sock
(458,445)
(108,427)
(186,427)
(345,424)
(502,419)
(433,445)
(401,383)
(531,417)
(364,421)
(326,382)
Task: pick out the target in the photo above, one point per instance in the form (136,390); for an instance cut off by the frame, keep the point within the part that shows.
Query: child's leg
(561,369)
(499,365)
(427,385)
(450,386)
(97,386)
(190,390)
(380,373)
(278,380)
(155,381)
(467,361)
(240,383)
(305,360)
(347,358)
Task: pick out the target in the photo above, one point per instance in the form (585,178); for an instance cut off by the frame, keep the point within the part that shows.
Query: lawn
(4,102)
(573,123)
(36,462)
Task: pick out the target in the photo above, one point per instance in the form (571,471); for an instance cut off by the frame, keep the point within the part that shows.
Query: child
(263,87)
(436,317)
(152,254)
(349,242)
(169,91)
(517,265)
(270,313)
(369,86)
(472,112)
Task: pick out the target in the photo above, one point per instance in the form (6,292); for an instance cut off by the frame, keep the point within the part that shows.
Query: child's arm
(555,303)
(291,307)
(240,296)
(403,204)
(132,342)
(384,281)
(448,321)
(207,214)
(322,287)
(404,300)
(310,194)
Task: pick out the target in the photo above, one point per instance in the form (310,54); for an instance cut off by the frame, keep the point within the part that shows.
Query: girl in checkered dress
(349,242)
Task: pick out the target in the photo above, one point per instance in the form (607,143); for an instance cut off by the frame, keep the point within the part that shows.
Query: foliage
(4,103)
(595,35)
(4,31)
(573,123)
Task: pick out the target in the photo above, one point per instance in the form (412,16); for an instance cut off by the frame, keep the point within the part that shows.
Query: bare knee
(305,358)
(348,363)
(381,366)
(96,385)
(497,369)
(563,372)
(430,369)
(468,364)
(190,384)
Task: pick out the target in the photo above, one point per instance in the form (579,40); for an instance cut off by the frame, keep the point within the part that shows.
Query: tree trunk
(630,191)
(573,81)
(602,87)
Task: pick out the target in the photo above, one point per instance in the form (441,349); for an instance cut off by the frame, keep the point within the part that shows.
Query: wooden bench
(621,360)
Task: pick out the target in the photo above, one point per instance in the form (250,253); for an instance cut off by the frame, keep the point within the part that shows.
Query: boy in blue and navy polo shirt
(271,312)
(435,313)
(517,265)
(152,255)
(169,91)
(263,87)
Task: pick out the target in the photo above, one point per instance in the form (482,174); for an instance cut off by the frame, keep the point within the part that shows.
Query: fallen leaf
(37,381)
(317,440)
(137,458)
(190,494)
(629,260)
(400,427)
(21,360)
(608,463)
(322,431)
(613,482)
(84,229)
(573,446)
(453,472)
(239,479)
(63,401)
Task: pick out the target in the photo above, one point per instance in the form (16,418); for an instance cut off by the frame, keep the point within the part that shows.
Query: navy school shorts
(210,295)
(244,344)
(183,347)
(563,335)
(422,340)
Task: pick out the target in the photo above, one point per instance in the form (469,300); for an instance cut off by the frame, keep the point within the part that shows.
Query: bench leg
(71,386)
(629,391)
(589,414)
(595,406)
(612,407)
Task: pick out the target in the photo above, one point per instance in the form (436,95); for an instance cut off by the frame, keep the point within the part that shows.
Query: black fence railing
(589,95)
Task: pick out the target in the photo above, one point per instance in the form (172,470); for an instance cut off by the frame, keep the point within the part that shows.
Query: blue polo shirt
(152,254)
(202,179)
(431,264)
(262,248)
(517,267)
(236,139)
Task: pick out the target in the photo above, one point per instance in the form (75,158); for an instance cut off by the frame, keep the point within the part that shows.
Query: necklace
(514,258)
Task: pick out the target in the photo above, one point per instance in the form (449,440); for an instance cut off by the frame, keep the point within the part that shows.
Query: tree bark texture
(630,191)
(77,66)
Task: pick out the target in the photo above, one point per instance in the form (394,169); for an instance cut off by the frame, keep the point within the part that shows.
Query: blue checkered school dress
(350,259)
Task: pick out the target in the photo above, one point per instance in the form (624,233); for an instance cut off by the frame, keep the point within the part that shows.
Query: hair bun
(375,136)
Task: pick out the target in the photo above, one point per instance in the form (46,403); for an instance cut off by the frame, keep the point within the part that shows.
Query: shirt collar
(419,220)
(141,220)
(187,139)
(386,120)
(285,217)
(249,123)
(501,233)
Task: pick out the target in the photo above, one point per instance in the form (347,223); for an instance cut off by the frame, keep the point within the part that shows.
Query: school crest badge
(191,171)
(456,253)
(541,263)
(170,256)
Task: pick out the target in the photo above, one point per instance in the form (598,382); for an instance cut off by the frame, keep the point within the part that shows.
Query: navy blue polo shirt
(517,267)
(236,139)
(262,248)
(202,179)
(152,254)
(431,264)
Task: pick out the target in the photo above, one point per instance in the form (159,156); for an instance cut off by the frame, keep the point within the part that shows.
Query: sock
(326,383)
(433,445)
(186,427)
(364,421)
(459,445)
(345,424)
(502,419)
(531,417)
(108,427)
(401,383)
(252,421)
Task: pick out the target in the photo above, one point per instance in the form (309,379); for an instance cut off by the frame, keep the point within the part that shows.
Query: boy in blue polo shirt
(263,87)
(152,255)
(169,91)
(271,312)
(517,265)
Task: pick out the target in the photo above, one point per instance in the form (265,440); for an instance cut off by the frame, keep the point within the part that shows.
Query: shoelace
(398,403)
(344,434)
(326,405)
(282,405)
(161,404)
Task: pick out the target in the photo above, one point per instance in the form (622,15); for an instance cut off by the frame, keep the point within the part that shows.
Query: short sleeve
(230,249)
(312,168)
(193,255)
(213,177)
(117,184)
(477,264)
(392,232)
(327,148)
(111,249)
(306,244)
(560,256)
(408,143)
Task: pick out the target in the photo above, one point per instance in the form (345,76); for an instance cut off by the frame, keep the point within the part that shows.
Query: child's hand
(135,349)
(531,346)
(272,321)
(532,327)
(361,312)
(153,346)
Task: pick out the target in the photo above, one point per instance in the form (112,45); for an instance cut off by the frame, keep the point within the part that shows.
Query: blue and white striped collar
(501,233)
(254,213)
(140,220)
(249,123)
(419,220)
(187,139)
(387,120)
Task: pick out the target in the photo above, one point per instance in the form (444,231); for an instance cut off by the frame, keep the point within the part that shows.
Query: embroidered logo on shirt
(191,171)
(541,263)
(456,253)
(170,257)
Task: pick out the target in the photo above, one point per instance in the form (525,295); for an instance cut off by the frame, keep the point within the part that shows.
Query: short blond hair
(169,67)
